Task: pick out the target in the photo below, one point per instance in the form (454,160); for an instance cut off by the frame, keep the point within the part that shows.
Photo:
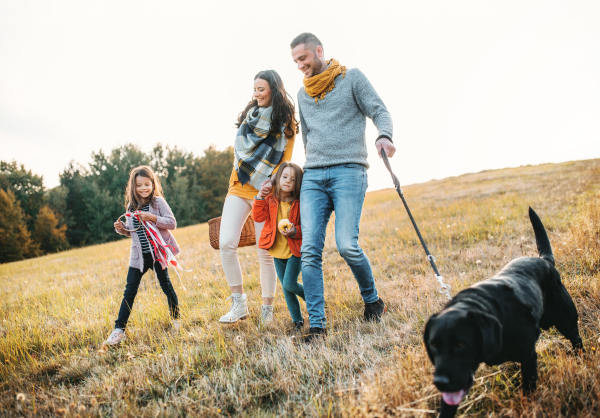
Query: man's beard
(317,68)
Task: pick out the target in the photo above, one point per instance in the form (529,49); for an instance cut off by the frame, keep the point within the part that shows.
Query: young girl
(144,193)
(281,235)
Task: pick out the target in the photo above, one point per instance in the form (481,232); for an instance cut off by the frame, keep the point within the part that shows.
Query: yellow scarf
(319,85)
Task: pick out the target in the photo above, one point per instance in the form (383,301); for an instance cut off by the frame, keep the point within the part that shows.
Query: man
(334,104)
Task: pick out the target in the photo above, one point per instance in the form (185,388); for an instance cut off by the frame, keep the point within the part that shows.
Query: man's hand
(387,146)
(265,189)
(291,231)
(120,226)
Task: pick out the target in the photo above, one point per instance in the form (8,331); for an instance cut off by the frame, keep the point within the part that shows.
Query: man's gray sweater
(333,130)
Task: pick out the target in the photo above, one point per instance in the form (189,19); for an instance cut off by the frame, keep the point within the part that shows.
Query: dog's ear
(490,330)
(426,337)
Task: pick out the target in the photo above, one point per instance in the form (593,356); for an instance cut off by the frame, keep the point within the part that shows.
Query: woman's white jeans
(235,212)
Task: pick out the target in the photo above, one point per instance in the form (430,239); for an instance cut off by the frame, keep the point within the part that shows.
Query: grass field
(55,312)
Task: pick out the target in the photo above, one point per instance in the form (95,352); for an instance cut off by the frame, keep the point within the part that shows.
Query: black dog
(499,320)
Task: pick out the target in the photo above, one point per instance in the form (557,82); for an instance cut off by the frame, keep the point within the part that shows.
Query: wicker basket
(247,237)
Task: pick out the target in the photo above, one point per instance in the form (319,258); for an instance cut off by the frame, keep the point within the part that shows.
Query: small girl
(283,239)
(144,193)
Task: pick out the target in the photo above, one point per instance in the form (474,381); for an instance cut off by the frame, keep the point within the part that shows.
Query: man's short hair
(308,39)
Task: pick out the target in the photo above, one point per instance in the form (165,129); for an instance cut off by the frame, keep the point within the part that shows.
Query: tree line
(82,209)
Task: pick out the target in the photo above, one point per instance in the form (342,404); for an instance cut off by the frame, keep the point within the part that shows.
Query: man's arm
(303,126)
(373,107)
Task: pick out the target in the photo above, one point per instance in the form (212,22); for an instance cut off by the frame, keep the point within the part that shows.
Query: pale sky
(471,85)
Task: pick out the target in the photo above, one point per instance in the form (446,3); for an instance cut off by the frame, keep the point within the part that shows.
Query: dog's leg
(448,411)
(565,318)
(529,373)
(578,345)
(572,334)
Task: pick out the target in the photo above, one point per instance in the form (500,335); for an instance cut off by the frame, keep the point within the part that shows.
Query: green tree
(100,209)
(95,195)
(15,239)
(180,199)
(73,179)
(28,188)
(56,199)
(111,171)
(167,162)
(104,190)
(46,232)
(211,176)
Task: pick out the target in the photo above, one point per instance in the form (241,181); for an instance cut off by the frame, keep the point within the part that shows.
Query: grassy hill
(55,312)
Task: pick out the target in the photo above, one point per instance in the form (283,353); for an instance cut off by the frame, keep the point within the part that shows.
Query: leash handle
(389,167)
(444,287)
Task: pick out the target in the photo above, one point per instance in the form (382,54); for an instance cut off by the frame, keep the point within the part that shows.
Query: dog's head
(457,341)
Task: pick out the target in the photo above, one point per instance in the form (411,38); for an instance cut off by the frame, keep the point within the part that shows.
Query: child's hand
(290,232)
(120,226)
(265,188)
(147,216)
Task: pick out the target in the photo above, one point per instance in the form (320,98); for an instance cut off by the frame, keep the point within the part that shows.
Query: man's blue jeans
(340,188)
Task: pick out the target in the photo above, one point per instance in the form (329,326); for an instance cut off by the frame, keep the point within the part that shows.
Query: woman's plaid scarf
(257,151)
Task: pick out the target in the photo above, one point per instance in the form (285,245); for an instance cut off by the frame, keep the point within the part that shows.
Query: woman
(266,132)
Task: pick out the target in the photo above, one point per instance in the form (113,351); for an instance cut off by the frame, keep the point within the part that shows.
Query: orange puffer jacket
(266,211)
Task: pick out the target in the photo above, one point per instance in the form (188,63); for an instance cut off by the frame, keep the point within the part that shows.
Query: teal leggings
(288,271)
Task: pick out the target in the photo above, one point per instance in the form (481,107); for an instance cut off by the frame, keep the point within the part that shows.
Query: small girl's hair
(298,173)
(132,200)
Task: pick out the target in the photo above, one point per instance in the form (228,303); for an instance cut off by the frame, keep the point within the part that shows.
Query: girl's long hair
(298,173)
(132,200)
(284,110)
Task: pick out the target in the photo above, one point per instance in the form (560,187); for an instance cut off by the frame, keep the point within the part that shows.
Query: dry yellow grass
(55,311)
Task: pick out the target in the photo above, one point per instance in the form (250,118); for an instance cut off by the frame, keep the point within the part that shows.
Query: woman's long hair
(132,200)
(298,174)
(284,110)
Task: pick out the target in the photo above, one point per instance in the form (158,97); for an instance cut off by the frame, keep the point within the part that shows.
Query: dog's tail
(541,237)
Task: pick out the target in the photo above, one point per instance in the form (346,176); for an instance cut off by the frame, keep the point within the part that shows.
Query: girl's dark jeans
(288,271)
(134,277)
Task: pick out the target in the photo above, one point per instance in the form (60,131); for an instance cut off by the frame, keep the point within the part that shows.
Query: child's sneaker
(266,316)
(238,310)
(299,325)
(116,336)
(176,326)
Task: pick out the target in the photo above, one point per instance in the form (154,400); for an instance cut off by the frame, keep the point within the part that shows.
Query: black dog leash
(444,287)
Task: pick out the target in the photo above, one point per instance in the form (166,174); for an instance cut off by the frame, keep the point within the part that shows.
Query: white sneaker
(176,326)
(238,310)
(116,336)
(266,316)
